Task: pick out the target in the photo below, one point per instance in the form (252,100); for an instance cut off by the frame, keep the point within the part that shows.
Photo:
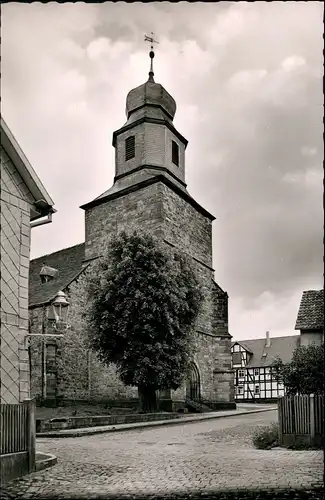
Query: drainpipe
(89,374)
(43,355)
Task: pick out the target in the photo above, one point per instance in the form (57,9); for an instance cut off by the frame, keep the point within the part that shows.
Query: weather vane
(151,53)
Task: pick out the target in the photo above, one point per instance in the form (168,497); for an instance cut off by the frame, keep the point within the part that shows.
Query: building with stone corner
(149,192)
(24,204)
(310,319)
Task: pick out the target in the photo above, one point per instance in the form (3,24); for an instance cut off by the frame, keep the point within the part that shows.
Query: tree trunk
(147,399)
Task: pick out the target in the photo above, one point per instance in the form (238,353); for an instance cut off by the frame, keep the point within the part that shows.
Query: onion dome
(150,94)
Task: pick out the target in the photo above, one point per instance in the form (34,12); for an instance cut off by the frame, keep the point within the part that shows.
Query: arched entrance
(193,388)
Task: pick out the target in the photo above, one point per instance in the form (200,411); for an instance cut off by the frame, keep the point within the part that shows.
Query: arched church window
(175,153)
(130,148)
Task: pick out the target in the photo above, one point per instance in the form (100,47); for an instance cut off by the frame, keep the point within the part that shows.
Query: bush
(266,438)
(300,444)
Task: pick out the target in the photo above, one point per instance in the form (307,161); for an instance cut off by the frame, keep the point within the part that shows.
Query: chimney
(268,341)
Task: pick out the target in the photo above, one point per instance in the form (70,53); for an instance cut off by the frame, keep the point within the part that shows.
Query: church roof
(311,310)
(68,263)
(281,347)
(122,189)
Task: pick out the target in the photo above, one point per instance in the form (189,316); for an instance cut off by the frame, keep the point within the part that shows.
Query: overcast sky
(247,79)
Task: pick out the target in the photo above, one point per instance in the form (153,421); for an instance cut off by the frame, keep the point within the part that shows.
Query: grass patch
(266,438)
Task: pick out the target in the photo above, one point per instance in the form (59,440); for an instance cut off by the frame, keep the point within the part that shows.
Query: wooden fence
(17,439)
(301,418)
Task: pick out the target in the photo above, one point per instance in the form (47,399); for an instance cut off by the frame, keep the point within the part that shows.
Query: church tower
(149,192)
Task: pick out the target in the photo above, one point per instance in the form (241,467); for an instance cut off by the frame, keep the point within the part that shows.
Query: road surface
(205,456)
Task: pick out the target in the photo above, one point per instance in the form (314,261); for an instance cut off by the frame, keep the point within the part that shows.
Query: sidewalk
(242,409)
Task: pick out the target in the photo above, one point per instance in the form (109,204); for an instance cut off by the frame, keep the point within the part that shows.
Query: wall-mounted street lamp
(60,306)
(58,311)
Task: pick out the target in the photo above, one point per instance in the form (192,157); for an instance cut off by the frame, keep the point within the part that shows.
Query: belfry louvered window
(130,148)
(175,153)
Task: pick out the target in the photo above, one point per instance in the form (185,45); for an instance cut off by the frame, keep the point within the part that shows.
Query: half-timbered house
(252,360)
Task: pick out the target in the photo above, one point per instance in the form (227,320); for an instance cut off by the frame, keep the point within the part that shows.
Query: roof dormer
(47,273)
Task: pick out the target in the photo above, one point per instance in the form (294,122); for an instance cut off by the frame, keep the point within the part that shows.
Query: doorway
(193,389)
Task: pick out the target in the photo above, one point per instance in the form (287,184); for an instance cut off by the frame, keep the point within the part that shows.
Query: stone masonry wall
(159,210)
(15,248)
(79,375)
(186,228)
(140,209)
(191,232)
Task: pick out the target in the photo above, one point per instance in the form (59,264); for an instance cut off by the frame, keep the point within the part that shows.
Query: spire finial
(151,54)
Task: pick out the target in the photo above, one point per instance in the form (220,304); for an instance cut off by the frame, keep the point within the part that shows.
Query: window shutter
(175,153)
(130,148)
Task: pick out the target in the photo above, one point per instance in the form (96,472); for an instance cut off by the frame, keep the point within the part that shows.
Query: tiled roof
(281,347)
(69,264)
(123,186)
(311,310)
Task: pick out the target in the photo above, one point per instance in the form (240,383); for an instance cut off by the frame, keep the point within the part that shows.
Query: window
(236,358)
(175,153)
(130,148)
(256,372)
(240,389)
(241,373)
(257,389)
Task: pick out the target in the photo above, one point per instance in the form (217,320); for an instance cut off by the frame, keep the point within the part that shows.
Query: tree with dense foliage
(305,373)
(144,300)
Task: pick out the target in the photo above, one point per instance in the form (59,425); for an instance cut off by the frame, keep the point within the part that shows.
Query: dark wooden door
(193,390)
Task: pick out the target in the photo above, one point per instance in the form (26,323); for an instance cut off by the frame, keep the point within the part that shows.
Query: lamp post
(56,314)
(60,307)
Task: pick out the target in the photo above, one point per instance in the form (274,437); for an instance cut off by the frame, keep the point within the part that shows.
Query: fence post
(312,418)
(31,432)
(280,420)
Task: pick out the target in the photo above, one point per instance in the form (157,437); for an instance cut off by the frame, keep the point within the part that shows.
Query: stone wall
(308,337)
(159,210)
(191,232)
(139,209)
(77,373)
(186,228)
(15,247)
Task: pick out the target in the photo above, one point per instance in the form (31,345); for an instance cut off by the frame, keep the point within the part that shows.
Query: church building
(149,192)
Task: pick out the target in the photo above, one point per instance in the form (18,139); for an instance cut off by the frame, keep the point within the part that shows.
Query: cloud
(293,62)
(247,79)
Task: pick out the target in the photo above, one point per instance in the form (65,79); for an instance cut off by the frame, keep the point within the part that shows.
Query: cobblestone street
(204,456)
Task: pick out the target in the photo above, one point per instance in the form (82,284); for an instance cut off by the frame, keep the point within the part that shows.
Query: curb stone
(44,460)
(88,431)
